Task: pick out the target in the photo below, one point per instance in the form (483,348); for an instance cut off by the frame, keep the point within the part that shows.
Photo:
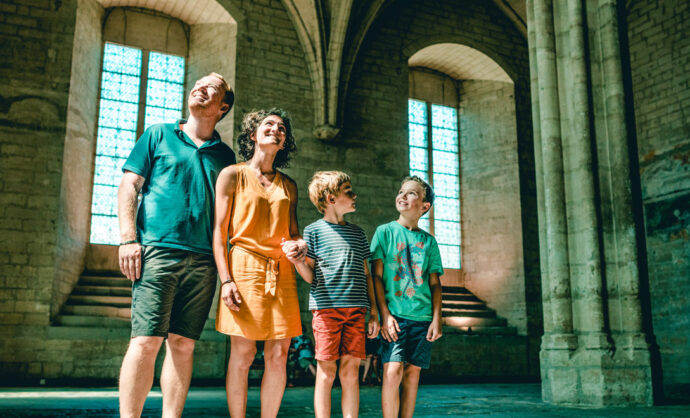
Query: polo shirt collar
(215,138)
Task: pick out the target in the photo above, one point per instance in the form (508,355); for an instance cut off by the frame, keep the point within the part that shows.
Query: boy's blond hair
(324,183)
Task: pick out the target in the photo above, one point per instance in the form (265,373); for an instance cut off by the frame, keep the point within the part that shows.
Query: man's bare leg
(274,380)
(136,374)
(242,353)
(349,383)
(410,383)
(176,374)
(390,395)
(325,375)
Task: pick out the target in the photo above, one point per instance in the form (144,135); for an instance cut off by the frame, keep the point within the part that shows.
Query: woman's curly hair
(251,122)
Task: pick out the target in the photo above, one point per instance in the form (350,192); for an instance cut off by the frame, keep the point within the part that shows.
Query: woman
(256,206)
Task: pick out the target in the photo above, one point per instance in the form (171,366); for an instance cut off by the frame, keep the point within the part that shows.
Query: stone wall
(35,72)
(660,68)
(212,47)
(490,195)
(78,158)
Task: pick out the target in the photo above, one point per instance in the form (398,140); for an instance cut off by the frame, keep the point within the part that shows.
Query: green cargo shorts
(174,293)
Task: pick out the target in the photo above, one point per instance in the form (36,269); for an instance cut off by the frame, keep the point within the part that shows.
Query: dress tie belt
(272,269)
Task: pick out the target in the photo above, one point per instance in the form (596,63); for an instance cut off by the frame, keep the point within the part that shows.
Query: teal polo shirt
(177,205)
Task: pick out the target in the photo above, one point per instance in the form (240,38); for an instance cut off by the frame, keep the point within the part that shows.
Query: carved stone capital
(326,132)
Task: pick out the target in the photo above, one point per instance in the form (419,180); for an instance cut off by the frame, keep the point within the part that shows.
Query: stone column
(619,234)
(630,364)
(538,162)
(583,223)
(555,226)
(589,275)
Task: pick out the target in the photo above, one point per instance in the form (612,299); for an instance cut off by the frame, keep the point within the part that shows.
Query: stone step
(120,281)
(465,321)
(91,321)
(113,335)
(460,297)
(455,290)
(110,311)
(479,330)
(464,304)
(117,301)
(475,313)
(102,290)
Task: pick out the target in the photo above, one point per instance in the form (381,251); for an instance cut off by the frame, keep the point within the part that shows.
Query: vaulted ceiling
(460,62)
(190,12)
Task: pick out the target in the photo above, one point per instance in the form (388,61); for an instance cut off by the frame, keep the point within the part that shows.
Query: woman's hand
(301,248)
(294,250)
(230,295)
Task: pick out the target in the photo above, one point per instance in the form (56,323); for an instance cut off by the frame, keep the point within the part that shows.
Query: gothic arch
(461,41)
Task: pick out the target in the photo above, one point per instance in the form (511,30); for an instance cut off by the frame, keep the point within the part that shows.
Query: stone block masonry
(37,47)
(490,197)
(78,158)
(660,68)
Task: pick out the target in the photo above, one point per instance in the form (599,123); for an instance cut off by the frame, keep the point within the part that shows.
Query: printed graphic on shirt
(410,259)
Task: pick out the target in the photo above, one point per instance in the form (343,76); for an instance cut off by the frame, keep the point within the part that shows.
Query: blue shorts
(412,346)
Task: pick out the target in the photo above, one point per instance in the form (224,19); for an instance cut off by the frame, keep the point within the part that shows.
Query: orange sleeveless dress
(260,218)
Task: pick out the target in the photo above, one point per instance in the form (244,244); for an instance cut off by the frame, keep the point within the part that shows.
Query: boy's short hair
(429,195)
(324,183)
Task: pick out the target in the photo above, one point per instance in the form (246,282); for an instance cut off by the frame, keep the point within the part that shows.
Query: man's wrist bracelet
(132,241)
(226,282)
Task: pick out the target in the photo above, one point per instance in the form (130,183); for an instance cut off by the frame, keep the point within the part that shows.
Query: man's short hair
(229,97)
(429,195)
(324,183)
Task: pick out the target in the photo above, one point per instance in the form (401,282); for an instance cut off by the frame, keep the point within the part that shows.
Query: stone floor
(510,400)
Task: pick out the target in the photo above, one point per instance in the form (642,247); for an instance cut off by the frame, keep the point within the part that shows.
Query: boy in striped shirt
(341,291)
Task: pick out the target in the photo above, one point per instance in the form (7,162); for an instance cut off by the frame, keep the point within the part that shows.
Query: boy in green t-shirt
(406,270)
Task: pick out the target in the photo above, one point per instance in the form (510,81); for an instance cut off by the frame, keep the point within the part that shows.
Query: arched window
(140,86)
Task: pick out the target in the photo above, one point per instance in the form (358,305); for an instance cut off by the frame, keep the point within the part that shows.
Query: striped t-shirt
(339,253)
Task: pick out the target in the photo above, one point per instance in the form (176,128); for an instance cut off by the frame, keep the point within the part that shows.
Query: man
(168,255)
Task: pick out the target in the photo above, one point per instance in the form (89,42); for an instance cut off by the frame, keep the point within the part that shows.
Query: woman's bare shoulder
(227,178)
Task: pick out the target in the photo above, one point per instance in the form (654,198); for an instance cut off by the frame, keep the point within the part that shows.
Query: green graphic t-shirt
(409,257)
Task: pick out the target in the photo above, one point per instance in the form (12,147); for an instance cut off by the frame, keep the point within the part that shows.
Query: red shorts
(339,332)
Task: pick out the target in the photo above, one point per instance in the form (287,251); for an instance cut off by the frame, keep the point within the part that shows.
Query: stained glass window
(419,147)
(165,88)
(117,129)
(119,122)
(435,159)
